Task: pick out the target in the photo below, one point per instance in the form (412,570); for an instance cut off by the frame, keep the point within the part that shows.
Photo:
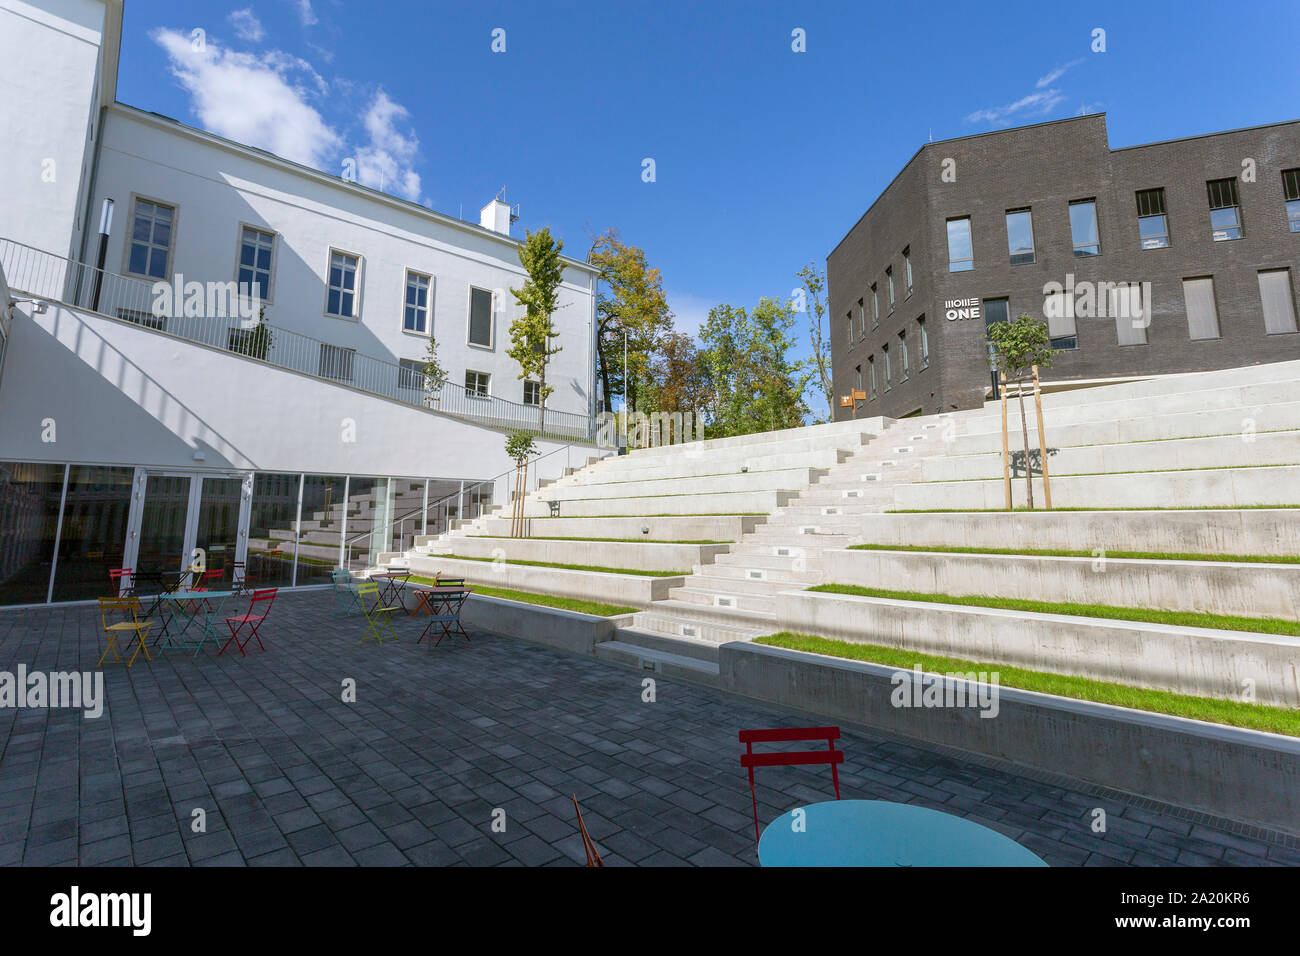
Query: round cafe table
(880,833)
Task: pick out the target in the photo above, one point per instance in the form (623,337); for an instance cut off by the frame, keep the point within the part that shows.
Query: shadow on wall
(1035,461)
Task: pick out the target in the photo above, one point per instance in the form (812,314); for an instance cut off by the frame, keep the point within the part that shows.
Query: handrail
(45,275)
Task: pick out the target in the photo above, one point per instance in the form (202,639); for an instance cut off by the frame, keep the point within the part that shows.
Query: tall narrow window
(415,314)
(862,319)
(341,301)
(1058,309)
(848,327)
(254,273)
(889,372)
(1225,209)
(925,342)
(857,371)
(1278,302)
(907,270)
(1020,236)
(1083,228)
(875,306)
(889,279)
(480,318)
(996,310)
(902,354)
(871,372)
(1291,190)
(1153,226)
(151,239)
(961,254)
(1202,312)
(1132,312)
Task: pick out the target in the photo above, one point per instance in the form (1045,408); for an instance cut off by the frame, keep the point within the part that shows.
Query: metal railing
(44,275)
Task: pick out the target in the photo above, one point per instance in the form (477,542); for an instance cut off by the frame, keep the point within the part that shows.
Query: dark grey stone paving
(439,738)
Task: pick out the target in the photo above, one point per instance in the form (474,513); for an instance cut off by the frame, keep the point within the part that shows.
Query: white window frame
(487,391)
(492,318)
(356,292)
(538,387)
(136,199)
(269,298)
(428,303)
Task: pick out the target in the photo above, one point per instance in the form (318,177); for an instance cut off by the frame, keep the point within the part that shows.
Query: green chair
(379,617)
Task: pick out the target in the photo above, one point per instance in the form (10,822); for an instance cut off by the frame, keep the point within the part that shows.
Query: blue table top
(880,833)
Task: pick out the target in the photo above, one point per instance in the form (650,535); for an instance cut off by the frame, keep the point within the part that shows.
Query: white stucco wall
(216,187)
(119,394)
(49,108)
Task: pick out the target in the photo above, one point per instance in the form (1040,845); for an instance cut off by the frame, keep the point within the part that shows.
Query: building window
(255,251)
(1225,209)
(902,354)
(1132,314)
(532,393)
(1058,308)
(871,372)
(925,342)
(862,319)
(151,239)
(848,325)
(415,312)
(476,384)
(480,318)
(336,363)
(857,371)
(1279,303)
(961,255)
(996,310)
(1153,226)
(410,374)
(889,373)
(1202,313)
(1020,236)
(1083,228)
(1291,190)
(907,269)
(342,299)
(889,278)
(875,307)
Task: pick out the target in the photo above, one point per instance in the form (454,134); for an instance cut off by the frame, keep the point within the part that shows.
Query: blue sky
(764,157)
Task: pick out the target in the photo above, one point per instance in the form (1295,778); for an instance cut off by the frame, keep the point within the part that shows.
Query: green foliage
(814,284)
(257,343)
(532,332)
(1020,345)
(434,373)
(753,383)
(519,445)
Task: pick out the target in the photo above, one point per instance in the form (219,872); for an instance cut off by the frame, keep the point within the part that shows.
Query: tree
(814,284)
(630,299)
(1017,347)
(434,374)
(519,445)
(532,332)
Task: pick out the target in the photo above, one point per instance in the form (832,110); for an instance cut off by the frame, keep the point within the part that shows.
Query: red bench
(789,758)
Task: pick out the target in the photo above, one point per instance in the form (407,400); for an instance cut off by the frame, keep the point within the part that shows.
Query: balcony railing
(43,275)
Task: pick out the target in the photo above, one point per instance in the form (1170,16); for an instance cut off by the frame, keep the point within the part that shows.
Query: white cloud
(306,15)
(247,26)
(1032,105)
(387,161)
(1056,74)
(258,100)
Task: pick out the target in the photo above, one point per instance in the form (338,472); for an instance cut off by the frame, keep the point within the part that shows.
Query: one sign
(846,401)
(957,309)
(858,395)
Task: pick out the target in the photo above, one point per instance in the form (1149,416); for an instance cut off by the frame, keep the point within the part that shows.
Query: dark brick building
(1049,220)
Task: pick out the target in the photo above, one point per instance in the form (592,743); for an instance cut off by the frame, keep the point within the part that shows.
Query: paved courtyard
(439,739)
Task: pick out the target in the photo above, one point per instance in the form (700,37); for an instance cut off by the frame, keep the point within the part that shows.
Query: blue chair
(346,599)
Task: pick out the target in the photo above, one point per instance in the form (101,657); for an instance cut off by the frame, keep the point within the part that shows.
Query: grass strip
(540,537)
(1024,508)
(546,600)
(1222,622)
(1065,553)
(569,567)
(1277,720)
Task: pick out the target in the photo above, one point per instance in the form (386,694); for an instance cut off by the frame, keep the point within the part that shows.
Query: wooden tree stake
(1006,457)
(1042,439)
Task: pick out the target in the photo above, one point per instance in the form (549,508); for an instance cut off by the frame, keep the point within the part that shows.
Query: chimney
(496,216)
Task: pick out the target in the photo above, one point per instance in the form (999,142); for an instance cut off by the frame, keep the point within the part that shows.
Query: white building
(141,417)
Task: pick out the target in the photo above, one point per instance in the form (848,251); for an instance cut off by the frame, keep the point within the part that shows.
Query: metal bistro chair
(129,606)
(379,616)
(241,582)
(251,619)
(444,604)
(346,599)
(123,581)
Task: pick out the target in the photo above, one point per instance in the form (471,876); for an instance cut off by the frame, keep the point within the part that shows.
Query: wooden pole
(1042,439)
(1006,458)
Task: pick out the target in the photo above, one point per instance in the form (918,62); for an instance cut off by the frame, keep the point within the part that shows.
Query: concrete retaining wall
(1241,774)
(1210,587)
(722,502)
(1195,661)
(637,555)
(563,630)
(663,528)
(628,590)
(705,483)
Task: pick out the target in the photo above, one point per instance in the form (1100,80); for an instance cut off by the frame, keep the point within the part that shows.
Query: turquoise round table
(879,833)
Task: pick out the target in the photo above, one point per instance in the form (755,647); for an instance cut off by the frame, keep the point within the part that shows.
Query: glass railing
(43,275)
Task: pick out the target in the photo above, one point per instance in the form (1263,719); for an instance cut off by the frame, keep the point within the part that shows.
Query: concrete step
(830,432)
(635,555)
(653,640)
(693,627)
(778,480)
(659,662)
(727,598)
(661,528)
(708,613)
(685,466)
(723,502)
(756,576)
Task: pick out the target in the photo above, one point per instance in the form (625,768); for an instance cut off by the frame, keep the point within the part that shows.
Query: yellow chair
(129,606)
(378,616)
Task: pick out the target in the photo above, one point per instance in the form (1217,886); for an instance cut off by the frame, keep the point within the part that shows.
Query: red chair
(790,758)
(593,858)
(241,582)
(202,581)
(123,580)
(251,620)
